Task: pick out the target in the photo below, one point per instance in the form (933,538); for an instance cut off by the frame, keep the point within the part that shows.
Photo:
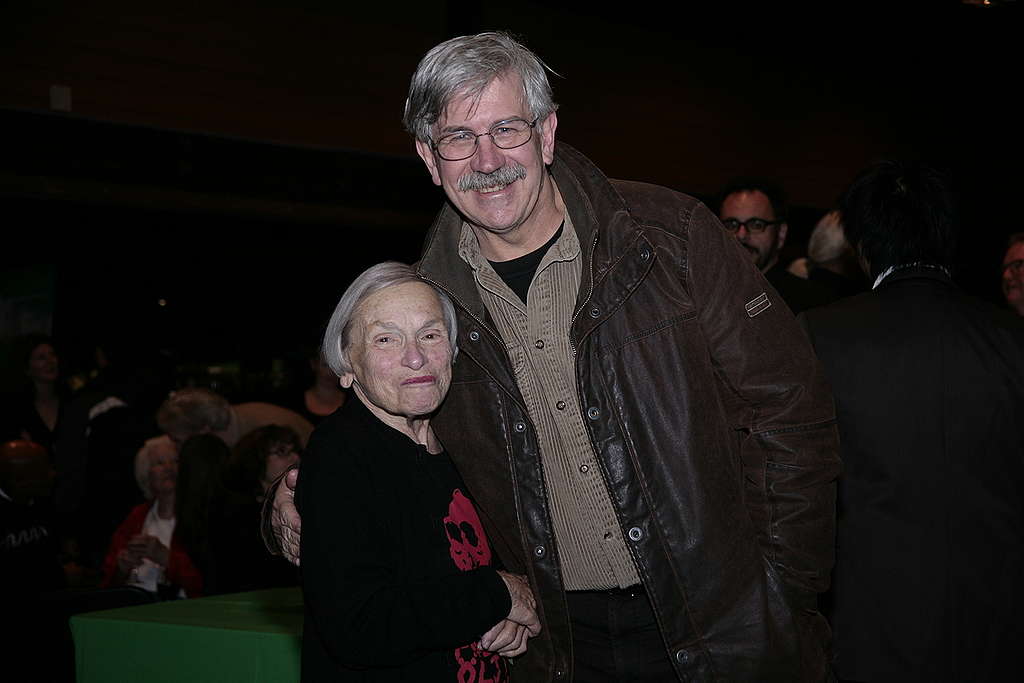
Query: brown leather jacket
(710,418)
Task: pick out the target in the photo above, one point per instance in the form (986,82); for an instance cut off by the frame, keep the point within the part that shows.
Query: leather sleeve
(778,402)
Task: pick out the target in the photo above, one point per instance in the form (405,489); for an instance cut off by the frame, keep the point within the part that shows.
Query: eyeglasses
(1013,266)
(751,224)
(505,134)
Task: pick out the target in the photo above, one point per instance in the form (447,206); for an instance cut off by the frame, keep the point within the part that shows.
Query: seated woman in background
(241,561)
(143,551)
(260,458)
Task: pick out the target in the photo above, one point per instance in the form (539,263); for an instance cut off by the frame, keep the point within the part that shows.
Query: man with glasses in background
(1013,273)
(754,211)
(649,439)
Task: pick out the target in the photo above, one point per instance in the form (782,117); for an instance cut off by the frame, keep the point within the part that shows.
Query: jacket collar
(588,195)
(920,269)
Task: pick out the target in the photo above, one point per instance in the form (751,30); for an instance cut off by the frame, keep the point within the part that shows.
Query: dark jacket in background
(929,390)
(798,293)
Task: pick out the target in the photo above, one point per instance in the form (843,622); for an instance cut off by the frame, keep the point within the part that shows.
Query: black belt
(634,591)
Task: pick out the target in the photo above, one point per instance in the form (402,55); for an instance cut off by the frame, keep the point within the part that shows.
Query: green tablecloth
(244,637)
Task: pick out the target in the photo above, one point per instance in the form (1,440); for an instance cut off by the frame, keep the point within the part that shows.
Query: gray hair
(827,242)
(375,278)
(464,67)
(194,410)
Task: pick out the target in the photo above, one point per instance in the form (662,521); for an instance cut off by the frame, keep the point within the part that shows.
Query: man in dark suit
(929,391)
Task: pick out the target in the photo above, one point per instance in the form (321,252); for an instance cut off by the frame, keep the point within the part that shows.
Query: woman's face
(163,472)
(42,364)
(400,353)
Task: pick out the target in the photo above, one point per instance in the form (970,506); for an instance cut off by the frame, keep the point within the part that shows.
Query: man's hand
(285,520)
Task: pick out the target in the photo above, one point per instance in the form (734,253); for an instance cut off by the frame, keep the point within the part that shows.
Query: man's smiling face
(501,190)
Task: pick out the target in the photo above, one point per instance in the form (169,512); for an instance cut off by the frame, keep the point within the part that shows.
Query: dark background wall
(242,162)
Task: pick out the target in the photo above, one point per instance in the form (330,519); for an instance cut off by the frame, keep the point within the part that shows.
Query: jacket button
(519,426)
(645,254)
(593,413)
(559,674)
(682,656)
(584,468)
(636,533)
(560,405)
(595,312)
(540,551)
(539,344)
(474,336)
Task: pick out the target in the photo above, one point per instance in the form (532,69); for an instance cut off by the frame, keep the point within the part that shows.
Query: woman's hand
(151,547)
(506,638)
(127,560)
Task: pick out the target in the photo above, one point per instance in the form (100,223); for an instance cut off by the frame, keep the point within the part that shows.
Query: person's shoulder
(642,197)
(341,437)
(138,514)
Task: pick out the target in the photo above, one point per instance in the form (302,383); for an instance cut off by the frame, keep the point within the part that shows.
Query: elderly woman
(143,551)
(398,574)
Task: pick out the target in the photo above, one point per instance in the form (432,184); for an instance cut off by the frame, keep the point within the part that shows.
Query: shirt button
(560,405)
(519,426)
(539,344)
(474,336)
(636,533)
(540,551)
(595,312)
(584,468)
(593,413)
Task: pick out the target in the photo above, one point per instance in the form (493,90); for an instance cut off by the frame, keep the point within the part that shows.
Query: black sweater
(396,567)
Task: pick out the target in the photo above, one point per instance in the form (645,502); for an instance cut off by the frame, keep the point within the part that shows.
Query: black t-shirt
(518,273)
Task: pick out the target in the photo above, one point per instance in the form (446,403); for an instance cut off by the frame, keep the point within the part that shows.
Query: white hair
(375,278)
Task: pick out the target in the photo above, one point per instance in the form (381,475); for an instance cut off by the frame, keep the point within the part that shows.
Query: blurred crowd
(126,481)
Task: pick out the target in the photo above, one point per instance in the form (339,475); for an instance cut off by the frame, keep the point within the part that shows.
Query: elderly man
(646,430)
(929,389)
(1013,273)
(755,211)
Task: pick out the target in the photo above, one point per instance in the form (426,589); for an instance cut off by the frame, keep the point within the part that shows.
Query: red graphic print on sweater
(469,550)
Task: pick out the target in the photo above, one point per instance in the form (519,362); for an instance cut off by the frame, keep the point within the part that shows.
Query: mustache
(506,175)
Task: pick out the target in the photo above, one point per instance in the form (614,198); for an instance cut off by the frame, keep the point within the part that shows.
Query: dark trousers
(615,638)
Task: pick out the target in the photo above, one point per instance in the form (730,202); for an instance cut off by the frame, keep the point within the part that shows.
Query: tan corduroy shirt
(592,551)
